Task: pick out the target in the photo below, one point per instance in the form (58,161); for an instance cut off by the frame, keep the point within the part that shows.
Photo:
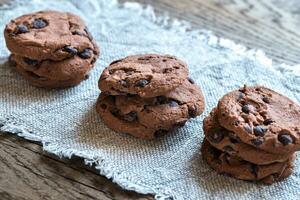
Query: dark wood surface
(26,172)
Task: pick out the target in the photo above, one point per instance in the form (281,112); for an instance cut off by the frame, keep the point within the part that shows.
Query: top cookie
(262,118)
(49,35)
(146,75)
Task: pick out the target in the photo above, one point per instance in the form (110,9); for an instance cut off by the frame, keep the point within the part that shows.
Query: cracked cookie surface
(240,169)
(263,118)
(49,35)
(146,75)
(149,117)
(229,142)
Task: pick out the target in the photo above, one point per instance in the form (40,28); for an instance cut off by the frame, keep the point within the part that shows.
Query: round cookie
(49,35)
(239,169)
(263,118)
(52,74)
(146,75)
(108,112)
(148,117)
(230,143)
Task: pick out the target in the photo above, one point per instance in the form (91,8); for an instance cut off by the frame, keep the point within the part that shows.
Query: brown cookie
(262,118)
(240,169)
(149,117)
(147,75)
(54,74)
(229,142)
(49,35)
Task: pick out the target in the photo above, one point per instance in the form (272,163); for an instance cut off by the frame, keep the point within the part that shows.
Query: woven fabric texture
(65,121)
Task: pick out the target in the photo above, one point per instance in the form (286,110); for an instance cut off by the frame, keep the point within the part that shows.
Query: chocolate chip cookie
(49,35)
(262,118)
(54,74)
(230,165)
(148,117)
(230,143)
(147,75)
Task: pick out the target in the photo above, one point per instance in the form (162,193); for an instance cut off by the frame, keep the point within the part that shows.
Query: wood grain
(270,25)
(26,172)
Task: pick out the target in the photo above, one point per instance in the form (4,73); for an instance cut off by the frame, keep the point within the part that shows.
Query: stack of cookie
(253,135)
(51,49)
(148,95)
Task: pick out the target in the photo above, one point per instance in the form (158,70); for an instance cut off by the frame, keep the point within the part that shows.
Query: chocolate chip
(246,108)
(268,122)
(39,23)
(259,131)
(76,32)
(173,103)
(129,73)
(248,128)
(243,89)
(180,124)
(141,83)
(29,61)
(160,133)
(130,117)
(86,76)
(93,60)
(70,50)
(21,29)
(85,54)
(167,70)
(257,141)
(266,99)
(240,96)
(191,80)
(192,112)
(116,61)
(89,35)
(254,170)
(146,58)
(161,100)
(216,136)
(285,139)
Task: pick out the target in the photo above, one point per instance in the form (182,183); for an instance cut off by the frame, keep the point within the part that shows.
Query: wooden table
(26,172)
